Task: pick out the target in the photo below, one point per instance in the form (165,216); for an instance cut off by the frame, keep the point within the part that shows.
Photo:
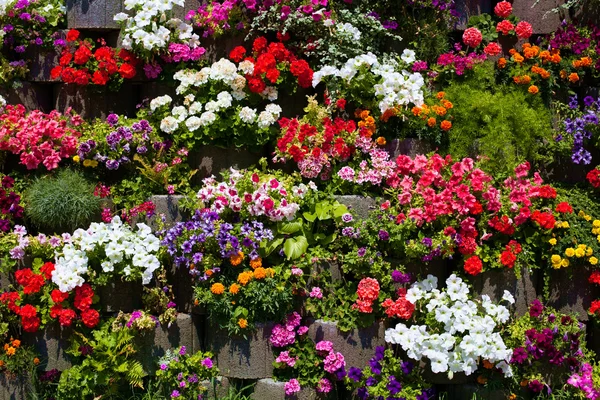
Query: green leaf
(323,211)
(289,228)
(310,217)
(295,247)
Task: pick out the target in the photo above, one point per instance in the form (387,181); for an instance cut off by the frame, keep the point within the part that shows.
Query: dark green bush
(61,203)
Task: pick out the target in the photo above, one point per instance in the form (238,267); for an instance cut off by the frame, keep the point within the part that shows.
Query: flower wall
(251,199)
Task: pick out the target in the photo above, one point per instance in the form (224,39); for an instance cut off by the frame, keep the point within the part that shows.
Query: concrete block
(221,47)
(14,388)
(189,5)
(183,288)
(92,104)
(333,266)
(357,346)
(474,392)
(33,96)
(51,343)
(268,389)
(41,63)
(409,147)
(151,90)
(120,296)
(210,160)
(239,357)
(154,344)
(570,292)
(468,8)
(495,282)
(169,206)
(360,206)
(541,20)
(93,14)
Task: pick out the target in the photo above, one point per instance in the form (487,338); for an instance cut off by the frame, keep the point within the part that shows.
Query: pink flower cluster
(38,137)
(284,357)
(285,335)
(375,170)
(182,53)
(269,197)
(585,382)
(333,361)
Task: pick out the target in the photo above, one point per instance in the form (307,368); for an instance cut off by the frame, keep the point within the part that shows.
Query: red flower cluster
(84,296)
(593,178)
(509,256)
(368,292)
(564,207)
(503,9)
(595,277)
(401,308)
(10,299)
(594,307)
(29,319)
(544,219)
(31,283)
(81,64)
(473,265)
(270,60)
(503,224)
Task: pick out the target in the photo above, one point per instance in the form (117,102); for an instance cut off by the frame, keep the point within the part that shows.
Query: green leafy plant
(61,203)
(104,365)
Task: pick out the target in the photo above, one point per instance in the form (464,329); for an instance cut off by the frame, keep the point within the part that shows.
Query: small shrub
(61,203)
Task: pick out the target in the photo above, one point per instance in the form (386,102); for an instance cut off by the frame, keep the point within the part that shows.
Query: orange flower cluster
(522,80)
(245,277)
(582,62)
(429,113)
(367,125)
(544,74)
(236,259)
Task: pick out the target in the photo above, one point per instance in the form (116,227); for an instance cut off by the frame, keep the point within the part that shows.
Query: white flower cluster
(131,252)
(196,115)
(151,28)
(350,30)
(396,87)
(469,329)
(2,102)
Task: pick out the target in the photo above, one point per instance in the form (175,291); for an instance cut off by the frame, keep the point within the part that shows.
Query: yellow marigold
(589,251)
(10,351)
(593,260)
(234,288)
(431,122)
(76,159)
(482,380)
(570,252)
(512,396)
(243,323)
(556,259)
(573,77)
(270,272)
(381,141)
(596,231)
(257,262)
(440,95)
(552,242)
(596,223)
(90,163)
(564,263)
(533,89)
(588,217)
(36,361)
(446,125)
(579,253)
(217,288)
(245,277)
(236,259)
(565,224)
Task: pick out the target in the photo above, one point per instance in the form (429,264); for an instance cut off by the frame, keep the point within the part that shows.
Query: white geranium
(469,330)
(160,101)
(193,123)
(169,124)
(126,252)
(247,115)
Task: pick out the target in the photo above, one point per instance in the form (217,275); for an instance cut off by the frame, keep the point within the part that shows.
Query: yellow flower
(10,351)
(565,224)
(270,272)
(552,242)
(581,213)
(242,323)
(593,260)
(595,231)
(579,252)
(570,252)
(555,259)
(564,263)
(512,396)
(588,217)
(596,223)
(90,163)
(589,252)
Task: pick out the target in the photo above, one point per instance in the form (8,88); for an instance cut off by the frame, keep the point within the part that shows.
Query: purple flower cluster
(583,381)
(580,128)
(206,232)
(570,37)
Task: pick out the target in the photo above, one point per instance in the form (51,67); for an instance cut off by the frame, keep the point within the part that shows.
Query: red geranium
(595,277)
(473,265)
(492,49)
(47,269)
(58,296)
(10,299)
(564,207)
(508,259)
(256,85)
(595,307)
(100,78)
(503,9)
(237,54)
(127,71)
(505,27)
(593,178)
(472,37)
(82,55)
(544,219)
(90,317)
(524,30)
(34,285)
(72,35)
(66,317)
(401,308)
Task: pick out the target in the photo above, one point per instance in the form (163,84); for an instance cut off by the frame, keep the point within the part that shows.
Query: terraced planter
(91,104)
(268,389)
(93,14)
(210,160)
(120,296)
(570,292)
(51,343)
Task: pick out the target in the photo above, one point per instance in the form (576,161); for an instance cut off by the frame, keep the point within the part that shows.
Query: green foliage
(499,122)
(105,365)
(61,203)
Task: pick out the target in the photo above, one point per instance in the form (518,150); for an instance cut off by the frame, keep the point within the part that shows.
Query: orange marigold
(446,125)
(234,288)
(36,361)
(431,122)
(11,351)
(364,114)
(563,74)
(518,58)
(555,58)
(586,61)
(512,51)
(416,111)
(502,62)
(441,111)
(245,277)
(1,363)
(257,262)
(533,89)
(447,104)
(381,141)
(16,343)
(573,77)
(217,288)
(259,273)
(545,55)
(236,259)
(208,272)
(440,95)
(389,113)
(243,323)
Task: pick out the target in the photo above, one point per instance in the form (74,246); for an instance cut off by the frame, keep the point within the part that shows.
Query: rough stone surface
(51,343)
(13,388)
(221,47)
(120,296)
(473,392)
(334,268)
(218,390)
(268,389)
(360,206)
(357,346)
(90,104)
(93,14)
(541,21)
(409,147)
(210,160)
(169,206)
(183,288)
(41,63)
(154,344)
(33,96)
(189,5)
(495,282)
(241,358)
(570,291)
